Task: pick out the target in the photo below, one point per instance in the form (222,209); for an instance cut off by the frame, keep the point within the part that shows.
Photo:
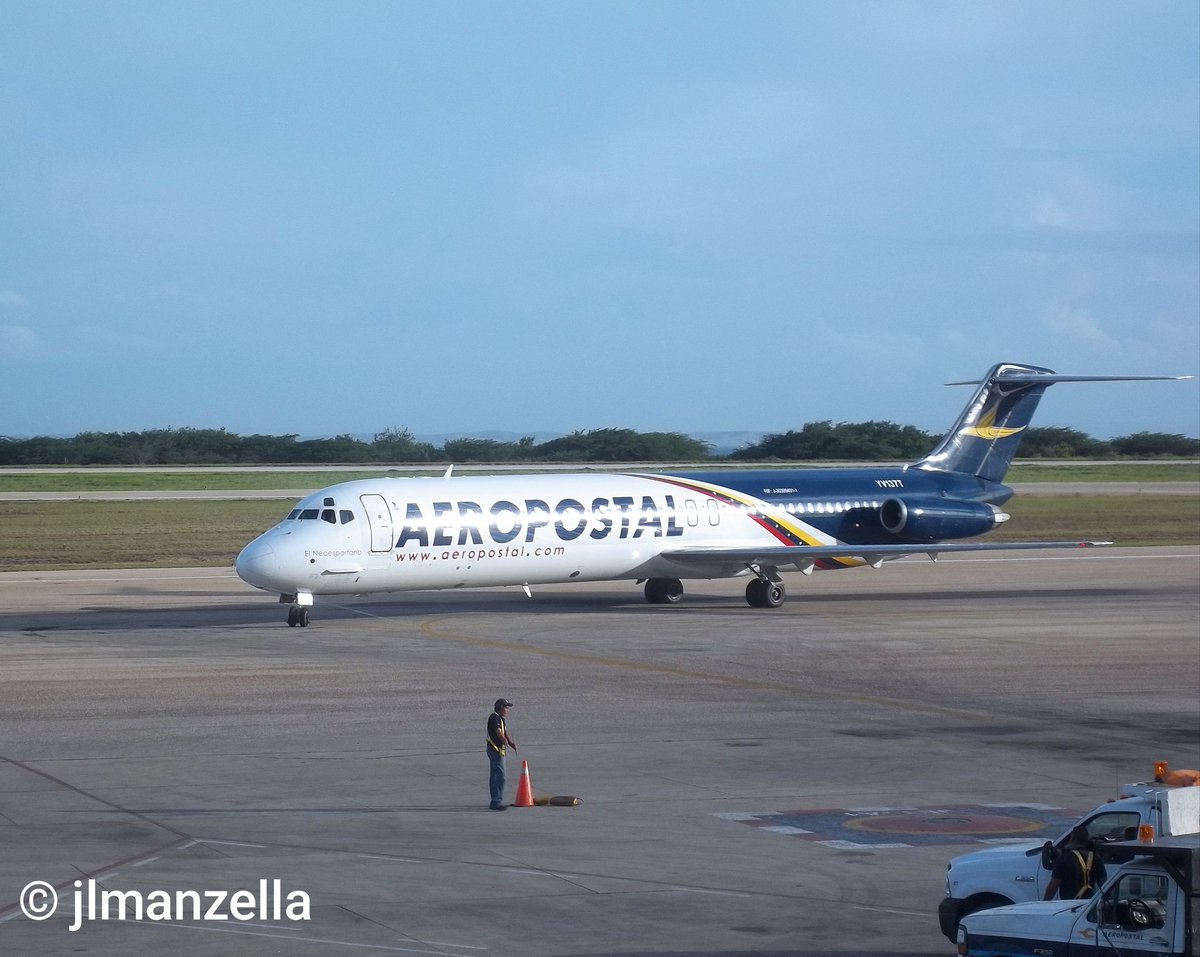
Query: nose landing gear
(298,605)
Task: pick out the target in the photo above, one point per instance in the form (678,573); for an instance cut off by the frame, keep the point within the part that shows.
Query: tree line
(816,441)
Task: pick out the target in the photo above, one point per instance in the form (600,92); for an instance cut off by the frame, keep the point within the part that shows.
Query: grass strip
(1121,519)
(183,481)
(173,534)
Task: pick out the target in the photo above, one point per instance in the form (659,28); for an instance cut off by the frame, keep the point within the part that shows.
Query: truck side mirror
(1048,855)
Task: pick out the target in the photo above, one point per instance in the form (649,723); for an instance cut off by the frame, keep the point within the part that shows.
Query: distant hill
(439,439)
(725,442)
(722,442)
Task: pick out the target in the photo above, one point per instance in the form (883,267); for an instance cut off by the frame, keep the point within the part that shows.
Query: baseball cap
(502,703)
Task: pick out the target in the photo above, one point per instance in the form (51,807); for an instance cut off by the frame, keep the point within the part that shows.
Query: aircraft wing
(805,557)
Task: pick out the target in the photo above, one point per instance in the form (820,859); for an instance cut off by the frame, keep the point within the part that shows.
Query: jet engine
(935,519)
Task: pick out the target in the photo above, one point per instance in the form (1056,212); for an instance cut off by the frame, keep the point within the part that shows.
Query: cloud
(1066,196)
(13,300)
(1079,325)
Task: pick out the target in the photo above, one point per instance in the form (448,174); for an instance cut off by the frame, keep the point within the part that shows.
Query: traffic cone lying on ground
(559,800)
(524,789)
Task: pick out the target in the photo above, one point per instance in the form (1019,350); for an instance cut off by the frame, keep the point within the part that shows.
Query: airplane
(658,528)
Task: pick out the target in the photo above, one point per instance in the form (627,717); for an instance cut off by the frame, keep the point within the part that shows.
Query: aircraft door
(379,517)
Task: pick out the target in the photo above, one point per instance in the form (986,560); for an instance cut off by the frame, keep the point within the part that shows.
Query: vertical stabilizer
(985,438)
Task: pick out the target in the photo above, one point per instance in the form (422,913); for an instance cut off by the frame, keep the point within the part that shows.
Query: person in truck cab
(1078,872)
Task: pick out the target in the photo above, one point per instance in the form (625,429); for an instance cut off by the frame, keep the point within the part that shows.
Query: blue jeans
(496,776)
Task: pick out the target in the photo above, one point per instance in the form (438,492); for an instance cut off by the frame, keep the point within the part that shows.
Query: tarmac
(753,782)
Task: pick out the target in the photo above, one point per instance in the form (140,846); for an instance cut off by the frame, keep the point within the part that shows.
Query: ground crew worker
(1077,872)
(498,739)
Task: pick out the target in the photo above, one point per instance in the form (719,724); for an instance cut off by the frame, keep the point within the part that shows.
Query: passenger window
(346,515)
(309,514)
(329,516)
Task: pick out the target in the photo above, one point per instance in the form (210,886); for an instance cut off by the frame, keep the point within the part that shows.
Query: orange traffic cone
(524,789)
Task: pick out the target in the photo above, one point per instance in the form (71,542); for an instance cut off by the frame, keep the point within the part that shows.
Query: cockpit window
(329,515)
(328,502)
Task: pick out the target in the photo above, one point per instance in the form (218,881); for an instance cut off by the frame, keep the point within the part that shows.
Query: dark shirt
(1070,873)
(496,734)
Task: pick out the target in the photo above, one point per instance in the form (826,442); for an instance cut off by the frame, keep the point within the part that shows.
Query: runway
(753,782)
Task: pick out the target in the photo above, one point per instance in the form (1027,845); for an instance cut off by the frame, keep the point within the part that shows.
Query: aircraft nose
(257,564)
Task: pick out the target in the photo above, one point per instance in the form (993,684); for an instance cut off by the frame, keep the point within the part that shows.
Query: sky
(342,217)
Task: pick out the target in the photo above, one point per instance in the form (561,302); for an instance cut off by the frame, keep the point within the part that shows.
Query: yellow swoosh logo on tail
(986,428)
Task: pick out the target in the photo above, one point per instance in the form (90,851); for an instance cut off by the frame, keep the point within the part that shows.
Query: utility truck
(1147,907)
(1014,873)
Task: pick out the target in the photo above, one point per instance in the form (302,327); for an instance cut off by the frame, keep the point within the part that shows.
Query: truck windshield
(1114,826)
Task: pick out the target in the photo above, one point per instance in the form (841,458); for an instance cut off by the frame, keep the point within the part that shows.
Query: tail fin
(985,438)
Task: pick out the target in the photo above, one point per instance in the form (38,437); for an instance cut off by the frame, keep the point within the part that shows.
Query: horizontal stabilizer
(1049,378)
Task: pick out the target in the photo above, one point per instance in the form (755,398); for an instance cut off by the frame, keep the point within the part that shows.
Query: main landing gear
(663,591)
(764,593)
(760,592)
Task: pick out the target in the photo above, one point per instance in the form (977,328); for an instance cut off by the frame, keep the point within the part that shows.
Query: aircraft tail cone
(524,789)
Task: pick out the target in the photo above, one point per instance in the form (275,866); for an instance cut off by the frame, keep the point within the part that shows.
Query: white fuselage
(427,533)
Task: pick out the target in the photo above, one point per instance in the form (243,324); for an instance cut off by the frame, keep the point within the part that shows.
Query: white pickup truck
(1148,906)
(1014,873)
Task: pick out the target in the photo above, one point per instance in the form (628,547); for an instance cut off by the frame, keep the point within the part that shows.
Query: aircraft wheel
(303,617)
(765,594)
(664,591)
(293,618)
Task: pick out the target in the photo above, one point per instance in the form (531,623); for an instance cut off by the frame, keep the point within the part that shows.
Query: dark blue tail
(985,438)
